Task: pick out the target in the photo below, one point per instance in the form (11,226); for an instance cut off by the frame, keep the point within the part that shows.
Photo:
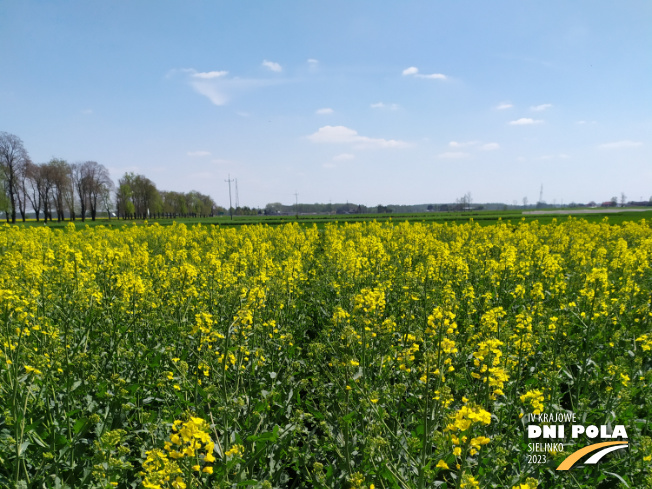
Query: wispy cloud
(525,121)
(345,135)
(490,147)
(503,106)
(271,65)
(540,108)
(414,71)
(382,105)
(453,155)
(210,74)
(199,153)
(621,145)
(174,71)
(214,93)
(217,86)
(457,144)
(313,65)
(324,111)
(343,157)
(87,111)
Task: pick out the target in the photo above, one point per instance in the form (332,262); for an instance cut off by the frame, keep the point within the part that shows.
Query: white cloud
(343,157)
(313,65)
(490,147)
(525,121)
(199,153)
(381,105)
(621,145)
(345,135)
(454,155)
(456,144)
(209,83)
(433,76)
(210,74)
(540,108)
(413,70)
(324,111)
(271,65)
(504,105)
(211,91)
(174,71)
(217,86)
(87,111)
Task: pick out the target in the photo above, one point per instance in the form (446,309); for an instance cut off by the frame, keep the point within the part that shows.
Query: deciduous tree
(13,157)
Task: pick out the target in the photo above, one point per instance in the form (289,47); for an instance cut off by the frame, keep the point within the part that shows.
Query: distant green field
(481,217)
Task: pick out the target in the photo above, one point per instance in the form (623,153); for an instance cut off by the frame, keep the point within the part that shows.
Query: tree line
(138,198)
(80,190)
(49,189)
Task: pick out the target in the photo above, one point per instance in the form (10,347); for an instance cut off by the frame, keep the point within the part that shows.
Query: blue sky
(371,102)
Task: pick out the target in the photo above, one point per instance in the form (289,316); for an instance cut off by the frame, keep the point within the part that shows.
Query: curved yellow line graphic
(574,457)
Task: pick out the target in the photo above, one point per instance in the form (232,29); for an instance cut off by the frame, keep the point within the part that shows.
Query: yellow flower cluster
(535,399)
(646,342)
(466,416)
(530,483)
(191,441)
(489,354)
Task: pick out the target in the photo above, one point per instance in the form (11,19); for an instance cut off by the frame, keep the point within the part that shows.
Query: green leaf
(79,424)
(37,439)
(23,447)
(617,477)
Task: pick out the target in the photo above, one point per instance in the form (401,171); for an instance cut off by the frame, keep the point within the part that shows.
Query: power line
(230,206)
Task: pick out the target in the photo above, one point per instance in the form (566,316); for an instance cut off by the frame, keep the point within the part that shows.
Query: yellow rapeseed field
(365,356)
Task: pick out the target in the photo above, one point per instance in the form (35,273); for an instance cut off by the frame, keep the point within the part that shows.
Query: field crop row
(366,355)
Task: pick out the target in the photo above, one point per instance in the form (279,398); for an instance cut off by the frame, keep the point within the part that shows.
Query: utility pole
(541,195)
(237,199)
(230,206)
(296,203)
